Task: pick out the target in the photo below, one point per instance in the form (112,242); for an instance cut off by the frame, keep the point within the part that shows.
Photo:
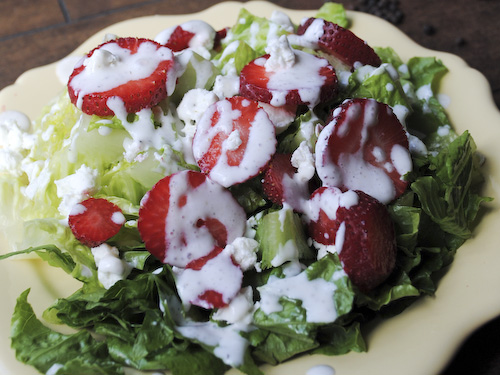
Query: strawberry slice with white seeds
(210,282)
(181,220)
(137,71)
(360,228)
(310,80)
(234,140)
(95,220)
(339,42)
(364,147)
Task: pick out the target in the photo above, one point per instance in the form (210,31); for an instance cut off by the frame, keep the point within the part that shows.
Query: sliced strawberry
(138,71)
(234,141)
(309,81)
(190,34)
(179,39)
(211,281)
(280,186)
(360,228)
(364,147)
(341,43)
(219,35)
(181,220)
(95,221)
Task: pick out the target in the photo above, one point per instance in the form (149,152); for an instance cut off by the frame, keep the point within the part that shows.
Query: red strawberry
(219,35)
(279,183)
(181,220)
(95,221)
(211,281)
(190,34)
(364,147)
(234,141)
(360,228)
(179,39)
(137,71)
(342,43)
(289,86)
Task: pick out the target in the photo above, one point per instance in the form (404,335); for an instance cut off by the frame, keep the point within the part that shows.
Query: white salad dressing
(143,133)
(281,81)
(239,310)
(329,201)
(260,147)
(218,274)
(187,239)
(281,117)
(321,370)
(281,19)
(317,296)
(203,69)
(369,178)
(311,36)
(110,268)
(192,106)
(201,42)
(229,345)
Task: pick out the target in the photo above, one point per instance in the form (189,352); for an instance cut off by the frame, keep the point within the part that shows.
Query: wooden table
(38,32)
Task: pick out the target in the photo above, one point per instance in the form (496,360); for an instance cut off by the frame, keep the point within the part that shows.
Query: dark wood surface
(38,32)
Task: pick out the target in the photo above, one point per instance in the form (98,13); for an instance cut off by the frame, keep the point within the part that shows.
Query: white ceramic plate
(420,340)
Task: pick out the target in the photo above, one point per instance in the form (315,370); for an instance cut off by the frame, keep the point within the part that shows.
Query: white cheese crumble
(303,160)
(75,187)
(281,55)
(243,251)
(16,140)
(226,86)
(110,268)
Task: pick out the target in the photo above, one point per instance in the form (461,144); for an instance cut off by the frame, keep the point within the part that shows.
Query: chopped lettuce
(333,12)
(254,31)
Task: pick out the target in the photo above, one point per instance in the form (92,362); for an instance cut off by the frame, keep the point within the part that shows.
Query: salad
(257,193)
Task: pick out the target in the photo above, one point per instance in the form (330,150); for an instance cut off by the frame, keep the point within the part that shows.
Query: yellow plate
(420,340)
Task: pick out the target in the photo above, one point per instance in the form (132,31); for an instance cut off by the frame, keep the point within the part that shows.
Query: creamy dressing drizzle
(186,238)
(219,274)
(371,179)
(316,296)
(261,143)
(227,341)
(284,80)
(321,370)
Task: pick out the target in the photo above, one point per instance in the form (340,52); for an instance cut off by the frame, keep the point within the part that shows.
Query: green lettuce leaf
(42,348)
(254,31)
(333,12)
